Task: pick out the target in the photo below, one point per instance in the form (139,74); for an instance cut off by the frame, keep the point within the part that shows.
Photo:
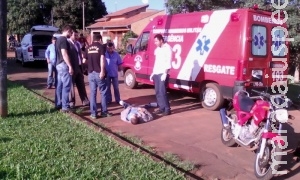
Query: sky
(113,5)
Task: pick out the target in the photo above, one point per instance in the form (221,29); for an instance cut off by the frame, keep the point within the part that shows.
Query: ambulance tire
(130,79)
(219,101)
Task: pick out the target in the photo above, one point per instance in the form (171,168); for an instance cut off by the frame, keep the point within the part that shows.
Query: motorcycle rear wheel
(264,167)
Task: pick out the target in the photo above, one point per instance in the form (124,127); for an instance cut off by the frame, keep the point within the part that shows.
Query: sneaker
(58,108)
(48,87)
(93,116)
(153,104)
(72,105)
(121,103)
(166,113)
(107,114)
(158,112)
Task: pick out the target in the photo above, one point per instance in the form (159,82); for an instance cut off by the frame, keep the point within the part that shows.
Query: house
(113,26)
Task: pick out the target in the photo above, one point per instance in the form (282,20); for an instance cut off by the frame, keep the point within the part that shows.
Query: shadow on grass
(5,139)
(3,174)
(52,110)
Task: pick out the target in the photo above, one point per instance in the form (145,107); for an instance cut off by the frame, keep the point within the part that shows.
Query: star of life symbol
(277,43)
(203,45)
(259,40)
(138,62)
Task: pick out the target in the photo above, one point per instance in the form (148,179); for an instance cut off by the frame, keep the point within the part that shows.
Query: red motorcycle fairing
(274,137)
(247,108)
(260,111)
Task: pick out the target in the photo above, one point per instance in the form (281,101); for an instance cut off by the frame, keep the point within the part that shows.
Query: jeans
(63,86)
(161,93)
(52,74)
(94,83)
(115,82)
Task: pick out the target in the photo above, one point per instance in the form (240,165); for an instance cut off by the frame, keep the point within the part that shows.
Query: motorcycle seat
(245,103)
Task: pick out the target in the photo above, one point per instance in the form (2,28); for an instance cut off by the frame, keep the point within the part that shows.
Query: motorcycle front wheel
(226,133)
(266,167)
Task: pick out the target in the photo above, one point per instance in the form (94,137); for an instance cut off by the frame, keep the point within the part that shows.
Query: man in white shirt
(160,74)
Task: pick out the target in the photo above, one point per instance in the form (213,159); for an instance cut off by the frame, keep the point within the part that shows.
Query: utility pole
(52,16)
(83,17)
(3,58)
(166,6)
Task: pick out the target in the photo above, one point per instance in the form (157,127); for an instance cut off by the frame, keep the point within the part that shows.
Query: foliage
(23,14)
(37,142)
(127,35)
(292,9)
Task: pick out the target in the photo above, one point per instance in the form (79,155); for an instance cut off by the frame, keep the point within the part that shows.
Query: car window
(142,43)
(278,45)
(259,35)
(41,40)
(25,39)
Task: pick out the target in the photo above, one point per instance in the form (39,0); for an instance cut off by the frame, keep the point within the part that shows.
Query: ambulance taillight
(241,70)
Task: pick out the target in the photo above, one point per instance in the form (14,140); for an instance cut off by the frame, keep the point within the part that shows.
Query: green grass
(37,142)
(186,165)
(137,141)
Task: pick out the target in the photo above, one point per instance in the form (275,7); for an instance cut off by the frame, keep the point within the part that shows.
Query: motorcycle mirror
(291,117)
(256,78)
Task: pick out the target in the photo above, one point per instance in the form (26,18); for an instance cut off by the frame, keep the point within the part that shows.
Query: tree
(124,42)
(23,14)
(94,9)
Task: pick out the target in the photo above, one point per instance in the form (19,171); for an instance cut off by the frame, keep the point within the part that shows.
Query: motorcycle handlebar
(261,93)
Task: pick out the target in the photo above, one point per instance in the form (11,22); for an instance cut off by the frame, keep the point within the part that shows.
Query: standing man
(160,74)
(77,77)
(114,63)
(83,42)
(108,40)
(64,70)
(97,76)
(50,55)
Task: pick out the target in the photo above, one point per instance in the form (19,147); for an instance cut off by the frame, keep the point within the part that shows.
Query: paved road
(190,131)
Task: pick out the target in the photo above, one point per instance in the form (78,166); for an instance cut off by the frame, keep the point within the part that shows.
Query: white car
(34,44)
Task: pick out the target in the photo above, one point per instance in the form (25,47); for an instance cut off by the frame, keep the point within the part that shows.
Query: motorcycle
(12,45)
(256,124)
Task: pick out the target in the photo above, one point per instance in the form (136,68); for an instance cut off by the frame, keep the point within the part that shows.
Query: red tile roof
(127,10)
(123,22)
(102,19)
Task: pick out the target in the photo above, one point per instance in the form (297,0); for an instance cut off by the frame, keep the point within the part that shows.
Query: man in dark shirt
(94,57)
(64,70)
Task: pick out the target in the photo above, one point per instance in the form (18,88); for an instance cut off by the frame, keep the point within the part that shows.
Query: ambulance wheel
(212,97)
(130,79)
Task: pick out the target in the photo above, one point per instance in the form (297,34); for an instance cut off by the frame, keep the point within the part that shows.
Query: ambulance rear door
(266,51)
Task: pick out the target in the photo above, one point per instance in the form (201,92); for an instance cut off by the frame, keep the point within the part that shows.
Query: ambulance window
(259,34)
(142,43)
(278,46)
